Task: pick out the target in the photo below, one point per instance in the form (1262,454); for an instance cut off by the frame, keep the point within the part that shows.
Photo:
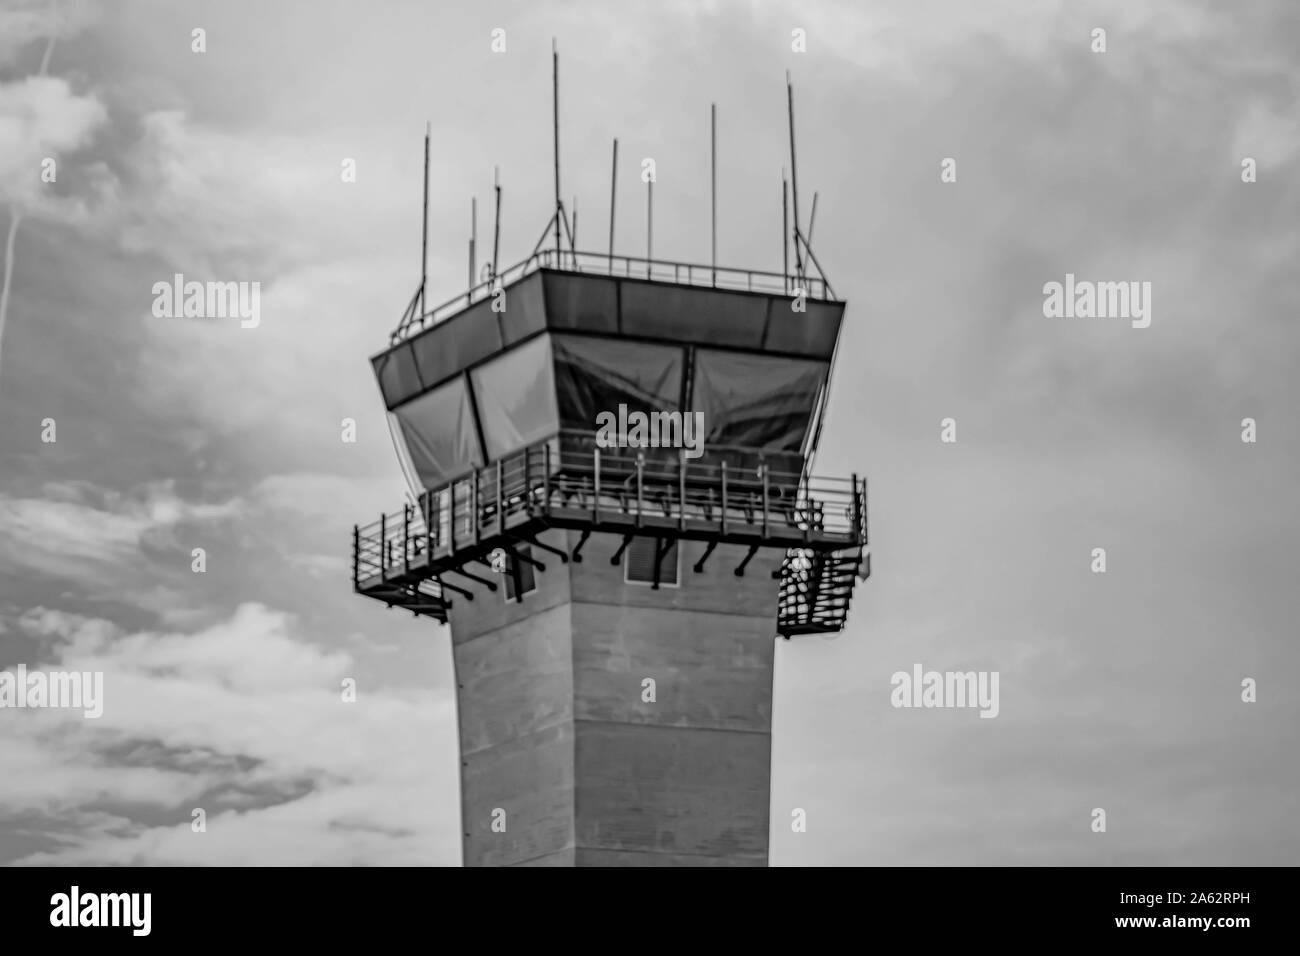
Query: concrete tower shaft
(614,723)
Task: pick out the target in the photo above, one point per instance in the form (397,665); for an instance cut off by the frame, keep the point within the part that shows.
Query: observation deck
(493,396)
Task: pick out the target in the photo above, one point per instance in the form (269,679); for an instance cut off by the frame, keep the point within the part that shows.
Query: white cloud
(75,530)
(27,23)
(41,117)
(911,37)
(335,782)
(1272,138)
(315,495)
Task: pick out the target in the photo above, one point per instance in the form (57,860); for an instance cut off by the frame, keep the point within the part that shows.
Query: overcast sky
(1119,690)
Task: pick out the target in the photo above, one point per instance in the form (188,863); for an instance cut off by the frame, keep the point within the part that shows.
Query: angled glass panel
(755,401)
(403,456)
(515,393)
(597,375)
(438,432)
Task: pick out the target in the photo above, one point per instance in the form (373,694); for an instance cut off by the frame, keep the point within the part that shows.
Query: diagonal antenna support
(568,230)
(541,240)
(496,230)
(800,238)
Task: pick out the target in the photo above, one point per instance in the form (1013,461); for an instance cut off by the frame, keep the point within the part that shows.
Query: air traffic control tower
(613,611)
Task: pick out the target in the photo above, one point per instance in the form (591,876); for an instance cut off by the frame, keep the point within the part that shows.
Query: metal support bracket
(662,547)
(576,556)
(740,569)
(490,585)
(519,557)
(618,555)
(559,553)
(699,565)
(467,595)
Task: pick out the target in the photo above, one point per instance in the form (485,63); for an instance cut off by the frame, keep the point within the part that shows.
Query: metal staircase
(817,588)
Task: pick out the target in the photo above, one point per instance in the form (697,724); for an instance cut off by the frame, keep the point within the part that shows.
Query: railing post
(595,500)
(546,479)
(383,548)
(763,468)
(428,523)
(640,467)
(476,507)
(501,501)
(681,491)
(528,482)
(859,522)
(451,514)
(724,497)
(406,538)
(356,556)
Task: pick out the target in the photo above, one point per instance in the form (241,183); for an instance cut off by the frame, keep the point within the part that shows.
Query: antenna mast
(613,182)
(496,231)
(473,236)
(713,188)
(785,230)
(794,179)
(555,122)
(424,224)
(649,223)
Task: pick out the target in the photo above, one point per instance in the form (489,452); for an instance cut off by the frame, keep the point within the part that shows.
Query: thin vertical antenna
(785,230)
(573,236)
(794,179)
(713,188)
(812,221)
(555,122)
(613,183)
(496,230)
(473,236)
(649,223)
(424,226)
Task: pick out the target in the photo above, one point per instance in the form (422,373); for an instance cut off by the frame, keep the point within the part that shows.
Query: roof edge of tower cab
(604,265)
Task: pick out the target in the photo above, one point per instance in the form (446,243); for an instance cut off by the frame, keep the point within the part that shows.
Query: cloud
(41,117)
(24,23)
(314,495)
(243,718)
(1271,137)
(77,530)
(1105,165)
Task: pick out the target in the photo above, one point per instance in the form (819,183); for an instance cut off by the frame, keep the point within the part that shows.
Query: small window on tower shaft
(640,562)
(527,577)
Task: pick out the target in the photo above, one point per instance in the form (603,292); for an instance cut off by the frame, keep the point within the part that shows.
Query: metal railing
(591,487)
(416,319)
